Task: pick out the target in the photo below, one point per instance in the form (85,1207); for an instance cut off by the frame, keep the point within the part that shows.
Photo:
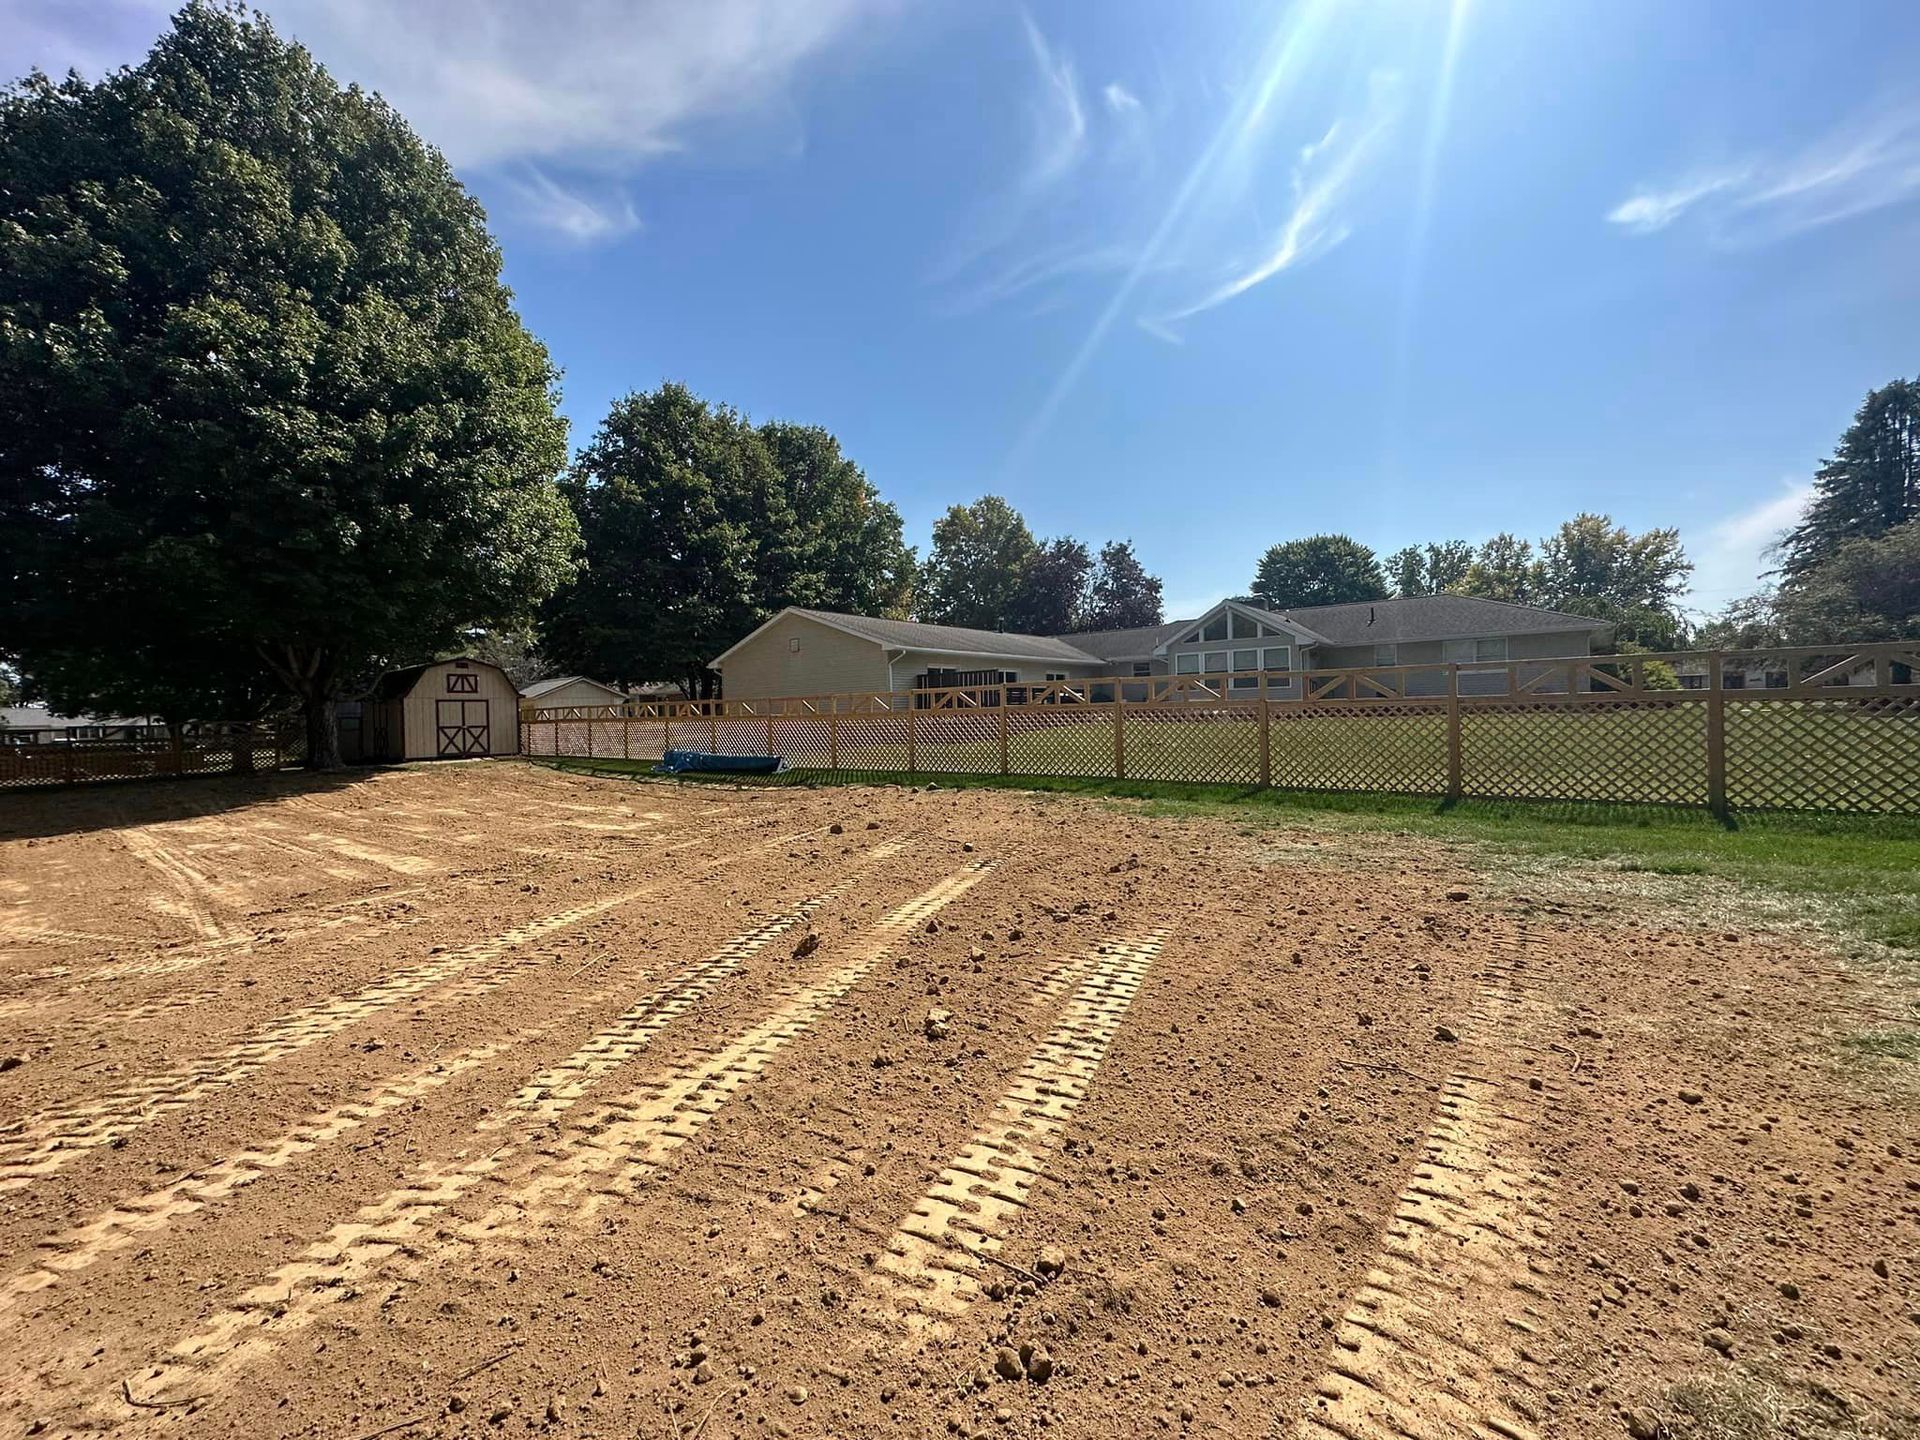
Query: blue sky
(1205,275)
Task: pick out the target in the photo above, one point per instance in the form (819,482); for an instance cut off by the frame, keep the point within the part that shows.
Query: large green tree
(1123,596)
(1868,588)
(255,349)
(1318,570)
(1430,569)
(686,527)
(851,553)
(1870,486)
(1591,566)
(976,566)
(1504,568)
(698,526)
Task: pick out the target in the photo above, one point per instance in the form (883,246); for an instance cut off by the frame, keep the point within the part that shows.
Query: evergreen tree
(1870,485)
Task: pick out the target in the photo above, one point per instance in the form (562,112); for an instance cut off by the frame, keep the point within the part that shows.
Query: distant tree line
(1589,566)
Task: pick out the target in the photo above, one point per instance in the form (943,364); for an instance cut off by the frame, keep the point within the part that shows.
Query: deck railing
(1842,732)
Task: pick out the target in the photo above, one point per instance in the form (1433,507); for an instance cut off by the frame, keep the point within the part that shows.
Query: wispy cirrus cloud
(1650,209)
(575,214)
(1120,100)
(1323,177)
(1060,117)
(1870,163)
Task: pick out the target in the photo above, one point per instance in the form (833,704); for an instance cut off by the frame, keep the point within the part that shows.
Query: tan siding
(827,662)
(419,710)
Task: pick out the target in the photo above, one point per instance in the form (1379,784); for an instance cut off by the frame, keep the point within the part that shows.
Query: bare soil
(483,1100)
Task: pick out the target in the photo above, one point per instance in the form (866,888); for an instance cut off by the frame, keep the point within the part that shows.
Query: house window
(1776,679)
(1386,654)
(1217,662)
(1056,675)
(1246,659)
(1279,657)
(1141,669)
(1246,682)
(1734,680)
(1245,627)
(1693,682)
(1012,677)
(1467,652)
(1186,664)
(1216,629)
(463,684)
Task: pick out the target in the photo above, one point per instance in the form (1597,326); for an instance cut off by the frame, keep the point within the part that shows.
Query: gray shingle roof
(950,639)
(1432,617)
(1123,644)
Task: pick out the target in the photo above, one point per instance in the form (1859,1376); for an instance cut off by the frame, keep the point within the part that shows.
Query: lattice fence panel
(1820,754)
(804,740)
(609,738)
(1632,752)
(1060,740)
(646,739)
(873,742)
(1210,745)
(745,736)
(957,742)
(569,737)
(1396,749)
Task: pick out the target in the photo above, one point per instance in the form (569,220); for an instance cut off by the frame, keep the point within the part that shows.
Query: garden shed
(450,709)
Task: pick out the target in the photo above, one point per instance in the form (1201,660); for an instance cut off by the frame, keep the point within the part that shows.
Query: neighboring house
(37,725)
(451,708)
(818,652)
(1759,671)
(571,690)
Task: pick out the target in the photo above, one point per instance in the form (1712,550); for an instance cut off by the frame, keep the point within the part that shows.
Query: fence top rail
(1879,668)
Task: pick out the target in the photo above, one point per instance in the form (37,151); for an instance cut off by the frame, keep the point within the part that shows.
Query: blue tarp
(678,762)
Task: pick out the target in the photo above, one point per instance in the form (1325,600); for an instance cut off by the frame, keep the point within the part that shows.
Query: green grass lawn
(1854,875)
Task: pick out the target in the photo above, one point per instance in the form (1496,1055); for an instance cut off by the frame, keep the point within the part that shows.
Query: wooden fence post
(833,739)
(769,732)
(666,730)
(626,734)
(1003,731)
(913,738)
(1119,736)
(1455,776)
(1716,740)
(713,733)
(1266,741)
(589,738)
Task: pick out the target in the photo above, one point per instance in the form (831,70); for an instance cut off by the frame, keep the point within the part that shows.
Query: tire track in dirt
(545,1095)
(600,1156)
(929,1271)
(846,1157)
(195,894)
(47,1142)
(1440,1339)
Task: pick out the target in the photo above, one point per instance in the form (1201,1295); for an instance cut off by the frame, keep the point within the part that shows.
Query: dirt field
(484,1100)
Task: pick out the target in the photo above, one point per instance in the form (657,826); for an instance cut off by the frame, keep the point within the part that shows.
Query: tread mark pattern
(138,1219)
(929,1272)
(1050,984)
(406,1225)
(46,1143)
(1437,1340)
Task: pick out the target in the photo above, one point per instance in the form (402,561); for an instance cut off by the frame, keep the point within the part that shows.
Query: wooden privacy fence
(1798,729)
(75,762)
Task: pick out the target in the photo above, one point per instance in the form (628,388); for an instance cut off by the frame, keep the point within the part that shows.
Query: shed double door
(461,728)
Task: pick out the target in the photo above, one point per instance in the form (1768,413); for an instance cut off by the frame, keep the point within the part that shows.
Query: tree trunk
(323,735)
(311,675)
(242,737)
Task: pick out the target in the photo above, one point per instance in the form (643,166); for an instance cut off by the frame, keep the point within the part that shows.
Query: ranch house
(818,652)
